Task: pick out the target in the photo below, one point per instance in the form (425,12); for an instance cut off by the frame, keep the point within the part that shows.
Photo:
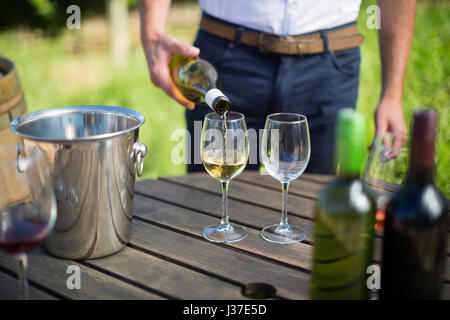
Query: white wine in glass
(224,150)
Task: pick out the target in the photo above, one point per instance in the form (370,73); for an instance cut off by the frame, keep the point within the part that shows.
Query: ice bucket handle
(140,150)
(19,169)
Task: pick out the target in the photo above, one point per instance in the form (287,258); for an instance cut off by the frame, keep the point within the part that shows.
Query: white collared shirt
(285,17)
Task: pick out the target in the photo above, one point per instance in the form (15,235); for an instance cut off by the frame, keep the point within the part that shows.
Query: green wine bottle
(345,219)
(198,81)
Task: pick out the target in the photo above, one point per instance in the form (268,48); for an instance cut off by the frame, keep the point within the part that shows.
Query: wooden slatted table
(167,257)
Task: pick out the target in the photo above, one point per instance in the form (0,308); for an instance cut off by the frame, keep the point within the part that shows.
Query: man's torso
(285,17)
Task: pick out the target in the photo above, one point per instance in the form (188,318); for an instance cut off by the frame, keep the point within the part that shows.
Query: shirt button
(293,2)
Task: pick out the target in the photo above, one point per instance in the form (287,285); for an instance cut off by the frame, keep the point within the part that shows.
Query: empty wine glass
(386,169)
(224,150)
(27,204)
(285,152)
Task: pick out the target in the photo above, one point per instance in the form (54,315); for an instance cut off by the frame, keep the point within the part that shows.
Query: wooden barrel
(12,105)
(12,101)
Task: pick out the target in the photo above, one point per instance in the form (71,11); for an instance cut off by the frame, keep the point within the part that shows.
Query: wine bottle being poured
(198,81)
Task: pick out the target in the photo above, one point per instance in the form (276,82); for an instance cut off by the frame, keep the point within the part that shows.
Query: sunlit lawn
(53,73)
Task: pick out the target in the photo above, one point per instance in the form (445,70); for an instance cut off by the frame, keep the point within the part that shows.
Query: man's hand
(158,52)
(160,47)
(389,118)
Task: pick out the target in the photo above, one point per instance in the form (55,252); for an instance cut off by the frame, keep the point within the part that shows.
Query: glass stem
(224,223)
(284,198)
(22,264)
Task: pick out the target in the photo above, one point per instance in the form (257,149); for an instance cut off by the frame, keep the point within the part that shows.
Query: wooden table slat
(210,203)
(166,277)
(193,223)
(311,177)
(9,289)
(305,186)
(214,259)
(254,194)
(51,273)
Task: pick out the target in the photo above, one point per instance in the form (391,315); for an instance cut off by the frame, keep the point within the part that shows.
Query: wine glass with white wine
(224,150)
(285,152)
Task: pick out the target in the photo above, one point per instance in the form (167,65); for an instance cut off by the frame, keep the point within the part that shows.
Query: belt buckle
(265,35)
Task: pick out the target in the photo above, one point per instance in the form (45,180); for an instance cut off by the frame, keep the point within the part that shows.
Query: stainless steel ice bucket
(94,153)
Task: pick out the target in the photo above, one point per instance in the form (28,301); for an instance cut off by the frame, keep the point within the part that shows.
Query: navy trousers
(258,84)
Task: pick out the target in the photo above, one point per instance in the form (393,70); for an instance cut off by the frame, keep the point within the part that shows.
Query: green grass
(51,78)
(54,75)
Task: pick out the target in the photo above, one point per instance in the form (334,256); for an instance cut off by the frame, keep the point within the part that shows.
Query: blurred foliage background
(61,67)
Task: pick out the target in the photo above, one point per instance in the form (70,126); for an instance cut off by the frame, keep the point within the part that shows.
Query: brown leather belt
(338,39)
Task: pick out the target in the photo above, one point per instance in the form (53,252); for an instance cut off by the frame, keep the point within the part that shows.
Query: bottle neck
(349,160)
(350,143)
(420,176)
(217,101)
(345,175)
(423,142)
(421,167)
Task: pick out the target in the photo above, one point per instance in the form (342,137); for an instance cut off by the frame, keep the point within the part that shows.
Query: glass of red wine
(27,204)
(386,169)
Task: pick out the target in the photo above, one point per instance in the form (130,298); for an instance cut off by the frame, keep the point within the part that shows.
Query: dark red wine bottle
(416,225)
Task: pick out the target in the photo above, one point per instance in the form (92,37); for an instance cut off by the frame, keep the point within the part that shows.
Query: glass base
(225,234)
(283,235)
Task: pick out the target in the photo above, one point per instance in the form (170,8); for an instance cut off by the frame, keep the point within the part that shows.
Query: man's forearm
(153,17)
(395,36)
(160,47)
